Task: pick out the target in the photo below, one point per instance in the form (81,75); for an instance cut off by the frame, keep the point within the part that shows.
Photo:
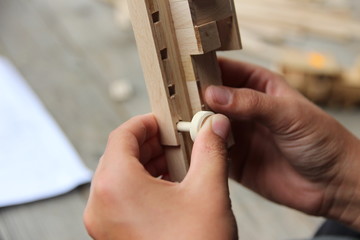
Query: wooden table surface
(69,52)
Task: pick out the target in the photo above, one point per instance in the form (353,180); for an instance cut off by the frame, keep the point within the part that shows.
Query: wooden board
(159,53)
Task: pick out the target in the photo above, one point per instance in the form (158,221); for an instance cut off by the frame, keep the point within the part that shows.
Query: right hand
(287,149)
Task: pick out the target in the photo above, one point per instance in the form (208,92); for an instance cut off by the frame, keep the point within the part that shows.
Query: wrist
(344,203)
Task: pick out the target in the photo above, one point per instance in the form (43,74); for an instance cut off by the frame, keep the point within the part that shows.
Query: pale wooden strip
(153,70)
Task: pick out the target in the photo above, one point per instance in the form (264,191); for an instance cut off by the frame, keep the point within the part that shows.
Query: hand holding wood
(287,149)
(127,201)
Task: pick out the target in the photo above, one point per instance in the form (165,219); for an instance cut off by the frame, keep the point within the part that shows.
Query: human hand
(127,201)
(287,149)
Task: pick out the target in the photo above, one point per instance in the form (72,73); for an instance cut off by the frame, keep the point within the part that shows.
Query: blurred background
(81,60)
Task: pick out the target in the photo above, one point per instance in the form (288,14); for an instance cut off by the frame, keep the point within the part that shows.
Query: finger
(120,169)
(208,161)
(150,149)
(124,143)
(239,74)
(157,167)
(246,104)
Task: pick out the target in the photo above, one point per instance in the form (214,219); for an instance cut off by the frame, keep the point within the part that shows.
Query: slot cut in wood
(172,90)
(156,17)
(164,54)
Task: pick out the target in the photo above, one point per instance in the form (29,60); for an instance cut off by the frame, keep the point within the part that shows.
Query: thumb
(245,104)
(209,156)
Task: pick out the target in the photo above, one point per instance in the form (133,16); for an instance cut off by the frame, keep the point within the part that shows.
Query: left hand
(127,201)
(287,149)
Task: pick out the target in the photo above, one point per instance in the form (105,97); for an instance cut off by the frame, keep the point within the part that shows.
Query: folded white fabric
(36,159)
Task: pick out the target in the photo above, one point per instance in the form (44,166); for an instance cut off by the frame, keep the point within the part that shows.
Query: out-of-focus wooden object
(347,91)
(311,73)
(177,42)
(273,18)
(320,78)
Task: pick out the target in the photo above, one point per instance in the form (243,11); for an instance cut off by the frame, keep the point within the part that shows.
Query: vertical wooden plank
(153,70)
(164,75)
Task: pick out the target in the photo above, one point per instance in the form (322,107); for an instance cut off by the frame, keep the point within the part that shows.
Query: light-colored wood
(312,73)
(159,53)
(352,76)
(177,40)
(154,69)
(299,17)
(212,26)
(204,26)
(321,78)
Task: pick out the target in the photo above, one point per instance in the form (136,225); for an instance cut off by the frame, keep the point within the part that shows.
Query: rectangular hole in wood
(200,94)
(164,54)
(172,90)
(155,17)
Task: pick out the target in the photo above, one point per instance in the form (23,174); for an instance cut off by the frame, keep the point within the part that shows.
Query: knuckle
(103,190)
(266,75)
(93,228)
(114,133)
(272,76)
(126,127)
(250,102)
(89,223)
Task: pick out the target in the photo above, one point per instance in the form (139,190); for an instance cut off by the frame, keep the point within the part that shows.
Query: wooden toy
(177,42)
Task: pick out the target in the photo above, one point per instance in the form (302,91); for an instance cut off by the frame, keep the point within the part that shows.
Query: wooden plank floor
(69,51)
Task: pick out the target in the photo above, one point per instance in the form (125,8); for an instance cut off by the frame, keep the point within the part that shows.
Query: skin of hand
(128,201)
(287,149)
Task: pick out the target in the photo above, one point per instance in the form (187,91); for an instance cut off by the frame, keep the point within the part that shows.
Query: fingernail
(220,126)
(220,95)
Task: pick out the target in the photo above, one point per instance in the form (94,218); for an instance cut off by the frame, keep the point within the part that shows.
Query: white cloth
(36,159)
